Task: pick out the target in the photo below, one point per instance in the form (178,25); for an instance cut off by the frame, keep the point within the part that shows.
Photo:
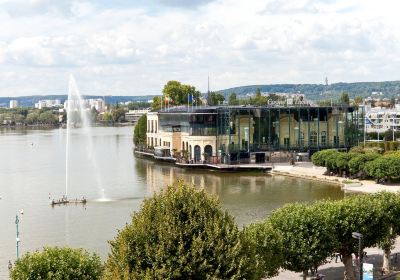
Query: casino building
(232,134)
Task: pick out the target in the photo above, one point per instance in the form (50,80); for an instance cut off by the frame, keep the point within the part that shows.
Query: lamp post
(359,236)
(17,238)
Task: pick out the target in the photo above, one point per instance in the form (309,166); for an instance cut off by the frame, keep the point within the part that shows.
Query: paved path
(334,270)
(307,170)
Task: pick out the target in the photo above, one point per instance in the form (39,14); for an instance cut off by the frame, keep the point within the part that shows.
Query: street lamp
(359,236)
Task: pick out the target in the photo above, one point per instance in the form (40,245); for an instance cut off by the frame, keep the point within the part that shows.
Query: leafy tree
(107,117)
(138,105)
(307,236)
(354,214)
(118,115)
(156,104)
(58,263)
(215,98)
(268,244)
(326,158)
(32,118)
(358,100)
(233,99)
(139,134)
(180,233)
(179,93)
(47,117)
(344,98)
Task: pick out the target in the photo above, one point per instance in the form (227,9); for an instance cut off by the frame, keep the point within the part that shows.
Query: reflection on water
(248,196)
(32,165)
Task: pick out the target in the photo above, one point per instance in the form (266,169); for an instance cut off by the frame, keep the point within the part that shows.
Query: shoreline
(306,170)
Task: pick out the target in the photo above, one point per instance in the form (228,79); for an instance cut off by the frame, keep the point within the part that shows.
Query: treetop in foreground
(57,263)
(180,233)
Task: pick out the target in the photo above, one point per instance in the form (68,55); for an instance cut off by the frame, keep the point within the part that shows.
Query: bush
(181,233)
(357,163)
(320,158)
(387,166)
(58,263)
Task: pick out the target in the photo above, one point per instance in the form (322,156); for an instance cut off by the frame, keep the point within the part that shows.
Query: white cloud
(136,49)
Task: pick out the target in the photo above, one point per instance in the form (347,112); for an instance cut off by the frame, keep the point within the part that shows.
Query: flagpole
(188,102)
(161,101)
(365,123)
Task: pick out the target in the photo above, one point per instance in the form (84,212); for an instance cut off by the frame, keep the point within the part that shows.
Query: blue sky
(133,47)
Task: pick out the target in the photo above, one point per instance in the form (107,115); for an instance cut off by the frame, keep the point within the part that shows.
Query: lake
(32,172)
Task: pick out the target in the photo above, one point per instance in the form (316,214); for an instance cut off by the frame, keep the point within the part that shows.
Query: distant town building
(48,103)
(380,119)
(134,115)
(13,104)
(86,104)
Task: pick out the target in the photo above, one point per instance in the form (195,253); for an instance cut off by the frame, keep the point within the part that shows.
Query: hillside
(316,91)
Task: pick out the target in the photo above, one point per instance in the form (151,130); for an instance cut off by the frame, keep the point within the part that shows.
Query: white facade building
(49,103)
(88,104)
(13,104)
(381,119)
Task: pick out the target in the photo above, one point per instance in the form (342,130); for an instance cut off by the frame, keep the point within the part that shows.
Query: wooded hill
(320,91)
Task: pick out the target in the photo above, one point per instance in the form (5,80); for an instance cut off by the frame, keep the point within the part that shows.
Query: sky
(134,47)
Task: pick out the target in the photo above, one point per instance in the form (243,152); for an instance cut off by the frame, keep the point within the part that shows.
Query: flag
(190,98)
(368,121)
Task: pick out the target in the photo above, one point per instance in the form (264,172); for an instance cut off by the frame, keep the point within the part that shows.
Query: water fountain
(78,117)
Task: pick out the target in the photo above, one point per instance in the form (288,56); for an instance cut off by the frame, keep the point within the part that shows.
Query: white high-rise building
(13,104)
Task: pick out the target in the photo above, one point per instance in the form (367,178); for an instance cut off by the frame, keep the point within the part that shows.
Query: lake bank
(306,170)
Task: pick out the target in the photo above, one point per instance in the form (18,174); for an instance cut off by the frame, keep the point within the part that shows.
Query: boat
(64,200)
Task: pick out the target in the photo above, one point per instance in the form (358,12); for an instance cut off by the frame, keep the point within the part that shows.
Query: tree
(358,100)
(178,93)
(118,114)
(215,98)
(307,236)
(354,214)
(156,104)
(58,263)
(344,98)
(180,233)
(47,117)
(268,244)
(233,99)
(32,118)
(139,133)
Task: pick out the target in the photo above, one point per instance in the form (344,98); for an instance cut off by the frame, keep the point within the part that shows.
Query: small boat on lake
(64,200)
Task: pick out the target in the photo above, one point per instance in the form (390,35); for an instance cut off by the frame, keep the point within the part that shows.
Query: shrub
(181,233)
(387,166)
(58,263)
(320,158)
(357,163)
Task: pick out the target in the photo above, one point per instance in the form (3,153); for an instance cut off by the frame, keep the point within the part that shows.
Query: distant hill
(29,101)
(316,91)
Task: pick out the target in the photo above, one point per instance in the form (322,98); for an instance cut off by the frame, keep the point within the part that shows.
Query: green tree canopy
(178,93)
(139,133)
(307,236)
(233,99)
(180,233)
(215,98)
(55,263)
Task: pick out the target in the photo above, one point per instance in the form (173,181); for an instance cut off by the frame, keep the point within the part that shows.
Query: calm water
(32,169)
